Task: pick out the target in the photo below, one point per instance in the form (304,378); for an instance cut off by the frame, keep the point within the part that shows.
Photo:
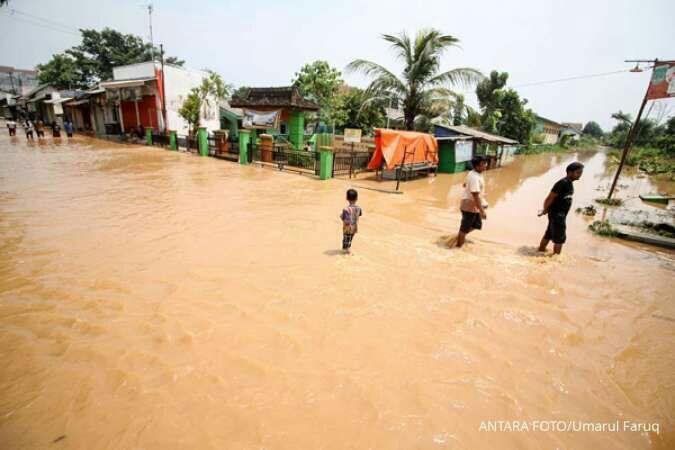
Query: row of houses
(139,96)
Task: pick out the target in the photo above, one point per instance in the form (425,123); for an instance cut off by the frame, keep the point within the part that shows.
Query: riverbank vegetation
(654,146)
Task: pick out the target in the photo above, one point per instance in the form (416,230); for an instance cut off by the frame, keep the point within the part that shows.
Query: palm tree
(421,79)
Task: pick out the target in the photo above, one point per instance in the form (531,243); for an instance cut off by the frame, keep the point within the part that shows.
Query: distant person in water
(28,126)
(68,126)
(40,128)
(56,130)
(557,205)
(473,202)
(11,126)
(350,220)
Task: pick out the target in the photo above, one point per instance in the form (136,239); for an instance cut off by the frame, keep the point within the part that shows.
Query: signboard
(58,109)
(352,135)
(463,151)
(662,84)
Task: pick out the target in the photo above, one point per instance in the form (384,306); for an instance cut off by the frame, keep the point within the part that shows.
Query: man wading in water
(557,205)
(473,200)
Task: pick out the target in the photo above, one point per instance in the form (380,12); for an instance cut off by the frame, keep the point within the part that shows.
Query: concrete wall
(179,82)
(140,70)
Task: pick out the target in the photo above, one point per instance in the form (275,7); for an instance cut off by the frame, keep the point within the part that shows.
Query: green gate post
(148,135)
(244,139)
(173,142)
(296,128)
(202,139)
(325,164)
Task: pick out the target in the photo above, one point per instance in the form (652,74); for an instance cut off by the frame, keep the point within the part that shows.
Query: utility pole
(152,43)
(634,129)
(161,55)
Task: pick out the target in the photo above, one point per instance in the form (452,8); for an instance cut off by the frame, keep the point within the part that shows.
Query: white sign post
(352,135)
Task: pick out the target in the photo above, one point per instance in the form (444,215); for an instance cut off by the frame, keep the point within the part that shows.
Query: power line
(42,19)
(40,24)
(579,77)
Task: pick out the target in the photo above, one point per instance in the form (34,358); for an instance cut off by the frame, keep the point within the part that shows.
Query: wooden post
(626,148)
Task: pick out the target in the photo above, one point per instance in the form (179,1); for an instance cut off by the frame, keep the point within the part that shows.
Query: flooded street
(157,300)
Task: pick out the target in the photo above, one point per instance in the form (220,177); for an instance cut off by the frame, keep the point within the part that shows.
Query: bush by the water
(602,228)
(609,201)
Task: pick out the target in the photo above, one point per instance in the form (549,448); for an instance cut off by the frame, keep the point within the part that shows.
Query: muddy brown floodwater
(157,300)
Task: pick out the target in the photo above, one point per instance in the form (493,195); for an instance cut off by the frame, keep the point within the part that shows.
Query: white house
(137,90)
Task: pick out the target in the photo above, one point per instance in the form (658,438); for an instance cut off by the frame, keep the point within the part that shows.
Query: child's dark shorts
(470,221)
(347,240)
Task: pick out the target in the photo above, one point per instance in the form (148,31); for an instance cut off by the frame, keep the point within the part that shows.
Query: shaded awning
(78,102)
(58,100)
(126,83)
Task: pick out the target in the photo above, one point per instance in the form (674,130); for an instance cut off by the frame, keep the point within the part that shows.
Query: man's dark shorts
(470,221)
(556,230)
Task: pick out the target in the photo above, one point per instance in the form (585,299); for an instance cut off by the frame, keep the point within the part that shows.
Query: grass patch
(609,201)
(542,148)
(586,142)
(603,228)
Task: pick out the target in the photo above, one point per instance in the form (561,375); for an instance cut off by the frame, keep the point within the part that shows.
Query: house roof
(574,125)
(478,134)
(35,90)
(230,112)
(9,69)
(548,120)
(279,97)
(129,82)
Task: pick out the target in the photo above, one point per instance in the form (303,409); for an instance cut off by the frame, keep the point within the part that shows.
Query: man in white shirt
(473,200)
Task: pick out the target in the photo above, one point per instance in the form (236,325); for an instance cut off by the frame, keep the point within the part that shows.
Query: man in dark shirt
(557,205)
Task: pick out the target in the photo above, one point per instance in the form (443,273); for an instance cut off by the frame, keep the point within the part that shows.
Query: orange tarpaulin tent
(392,145)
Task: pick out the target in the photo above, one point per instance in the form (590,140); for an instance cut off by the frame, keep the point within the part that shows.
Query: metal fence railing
(298,160)
(161,140)
(350,163)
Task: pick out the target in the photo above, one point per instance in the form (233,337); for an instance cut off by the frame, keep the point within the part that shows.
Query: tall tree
(62,72)
(358,113)
(320,82)
(593,129)
(502,110)
(100,51)
(421,75)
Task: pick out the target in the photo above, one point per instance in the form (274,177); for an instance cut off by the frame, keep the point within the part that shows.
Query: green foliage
(609,201)
(359,113)
(421,79)
(593,129)
(654,144)
(544,148)
(61,72)
(538,138)
(602,228)
(241,92)
(173,60)
(503,111)
(191,108)
(100,51)
(651,160)
(207,95)
(321,83)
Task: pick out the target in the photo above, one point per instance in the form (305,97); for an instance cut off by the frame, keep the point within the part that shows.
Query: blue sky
(263,43)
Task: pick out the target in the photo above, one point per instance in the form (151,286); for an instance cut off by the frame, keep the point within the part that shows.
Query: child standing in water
(350,220)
